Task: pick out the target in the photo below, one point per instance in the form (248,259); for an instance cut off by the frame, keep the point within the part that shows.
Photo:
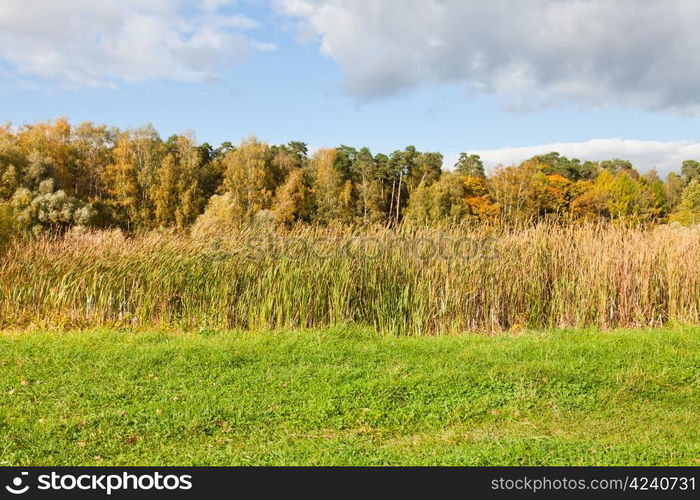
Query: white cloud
(94,43)
(645,155)
(638,53)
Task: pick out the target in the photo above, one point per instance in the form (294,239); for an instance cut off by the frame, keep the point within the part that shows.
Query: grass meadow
(348,396)
(402,282)
(545,345)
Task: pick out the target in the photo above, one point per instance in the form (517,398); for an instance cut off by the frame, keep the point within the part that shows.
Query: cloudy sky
(593,79)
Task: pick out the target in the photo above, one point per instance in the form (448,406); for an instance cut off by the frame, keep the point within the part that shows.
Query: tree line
(54,176)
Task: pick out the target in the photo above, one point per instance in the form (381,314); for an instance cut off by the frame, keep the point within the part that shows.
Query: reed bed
(408,281)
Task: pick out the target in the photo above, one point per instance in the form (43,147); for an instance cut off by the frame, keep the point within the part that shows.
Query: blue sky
(332,72)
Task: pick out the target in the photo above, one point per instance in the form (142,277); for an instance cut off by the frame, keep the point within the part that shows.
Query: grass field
(348,396)
(473,279)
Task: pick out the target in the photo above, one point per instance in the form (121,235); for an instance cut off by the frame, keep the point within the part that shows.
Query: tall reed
(408,281)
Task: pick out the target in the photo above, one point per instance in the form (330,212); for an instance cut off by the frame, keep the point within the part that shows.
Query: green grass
(349,396)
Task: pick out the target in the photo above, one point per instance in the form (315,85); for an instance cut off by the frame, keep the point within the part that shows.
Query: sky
(592,79)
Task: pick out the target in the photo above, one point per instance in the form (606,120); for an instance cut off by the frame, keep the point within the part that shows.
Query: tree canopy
(54,176)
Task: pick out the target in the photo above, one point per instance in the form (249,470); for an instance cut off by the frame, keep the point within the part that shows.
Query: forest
(54,176)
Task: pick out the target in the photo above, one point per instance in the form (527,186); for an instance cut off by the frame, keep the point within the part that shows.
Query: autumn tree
(688,211)
(164,194)
(12,163)
(513,189)
(427,168)
(657,206)
(618,166)
(479,198)
(623,195)
(400,165)
(52,140)
(249,177)
(48,209)
(332,191)
(92,147)
(442,201)
(453,198)
(550,194)
(571,169)
(673,189)
(293,201)
(370,190)
(149,151)
(122,182)
(690,170)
